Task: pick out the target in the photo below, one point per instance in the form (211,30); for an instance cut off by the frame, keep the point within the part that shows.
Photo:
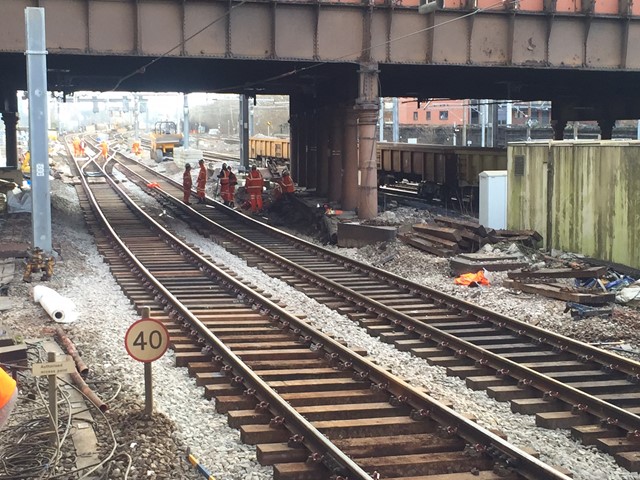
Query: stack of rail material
(450,236)
(545,282)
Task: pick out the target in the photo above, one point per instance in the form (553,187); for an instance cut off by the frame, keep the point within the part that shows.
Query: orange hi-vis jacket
(287,184)
(254,182)
(7,387)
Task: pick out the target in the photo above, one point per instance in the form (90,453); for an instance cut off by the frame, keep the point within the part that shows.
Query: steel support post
(396,121)
(606,128)
(558,128)
(381,121)
(323,151)
(350,160)
(336,120)
(367,168)
(244,131)
(312,149)
(136,116)
(185,121)
(294,130)
(11,138)
(38,115)
(367,105)
(303,148)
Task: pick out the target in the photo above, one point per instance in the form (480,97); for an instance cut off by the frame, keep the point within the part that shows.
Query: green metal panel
(594,201)
(527,193)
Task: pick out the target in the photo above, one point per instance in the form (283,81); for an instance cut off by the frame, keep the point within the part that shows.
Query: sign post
(146,341)
(52,369)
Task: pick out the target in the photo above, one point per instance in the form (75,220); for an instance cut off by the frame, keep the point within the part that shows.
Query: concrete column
(302,149)
(323,131)
(558,128)
(606,128)
(336,141)
(350,160)
(312,149)
(10,122)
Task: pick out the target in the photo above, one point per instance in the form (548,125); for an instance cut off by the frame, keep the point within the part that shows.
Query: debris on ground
(448,236)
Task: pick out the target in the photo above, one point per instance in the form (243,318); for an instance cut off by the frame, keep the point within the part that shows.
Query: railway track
(313,408)
(563,382)
(145,143)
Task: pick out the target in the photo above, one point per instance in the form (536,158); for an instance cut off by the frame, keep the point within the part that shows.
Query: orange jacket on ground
(7,387)
(469,278)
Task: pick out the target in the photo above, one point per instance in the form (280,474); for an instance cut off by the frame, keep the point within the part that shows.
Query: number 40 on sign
(146,340)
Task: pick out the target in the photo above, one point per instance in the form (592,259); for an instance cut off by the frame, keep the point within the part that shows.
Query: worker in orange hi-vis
(104,149)
(201,182)
(8,396)
(233,181)
(136,148)
(254,185)
(223,178)
(187,183)
(76,146)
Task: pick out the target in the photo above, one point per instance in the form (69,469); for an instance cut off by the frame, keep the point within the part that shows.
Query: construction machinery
(164,139)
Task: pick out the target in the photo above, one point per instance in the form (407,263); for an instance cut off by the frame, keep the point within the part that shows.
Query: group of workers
(78,147)
(187,183)
(228,182)
(254,185)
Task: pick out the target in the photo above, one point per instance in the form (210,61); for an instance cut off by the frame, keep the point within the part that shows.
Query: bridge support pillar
(558,128)
(367,106)
(302,149)
(606,128)
(367,169)
(294,129)
(336,124)
(10,118)
(312,149)
(323,152)
(350,160)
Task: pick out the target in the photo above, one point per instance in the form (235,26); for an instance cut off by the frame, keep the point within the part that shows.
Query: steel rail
(611,360)
(496,447)
(550,388)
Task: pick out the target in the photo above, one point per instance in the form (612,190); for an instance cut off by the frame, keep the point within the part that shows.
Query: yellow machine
(164,139)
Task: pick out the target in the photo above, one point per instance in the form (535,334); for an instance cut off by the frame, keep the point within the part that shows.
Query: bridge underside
(588,94)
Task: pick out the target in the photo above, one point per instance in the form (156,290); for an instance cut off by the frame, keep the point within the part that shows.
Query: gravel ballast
(105,313)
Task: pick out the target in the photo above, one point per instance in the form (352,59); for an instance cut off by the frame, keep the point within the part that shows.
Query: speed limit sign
(146,340)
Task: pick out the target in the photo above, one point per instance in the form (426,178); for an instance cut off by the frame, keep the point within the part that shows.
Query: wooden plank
(592,272)
(447,233)
(519,233)
(409,239)
(459,266)
(552,291)
(462,224)
(444,243)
